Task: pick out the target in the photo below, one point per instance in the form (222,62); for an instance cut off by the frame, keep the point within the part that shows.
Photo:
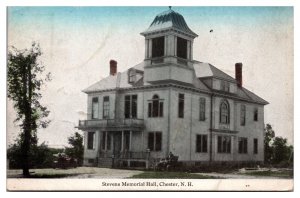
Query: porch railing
(125,155)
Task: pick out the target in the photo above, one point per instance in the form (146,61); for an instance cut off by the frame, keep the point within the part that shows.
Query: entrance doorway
(117,144)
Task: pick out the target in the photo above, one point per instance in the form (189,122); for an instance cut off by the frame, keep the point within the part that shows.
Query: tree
(282,152)
(269,136)
(76,151)
(24,82)
(277,151)
(41,156)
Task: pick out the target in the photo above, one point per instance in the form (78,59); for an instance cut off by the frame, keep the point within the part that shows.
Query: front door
(117,144)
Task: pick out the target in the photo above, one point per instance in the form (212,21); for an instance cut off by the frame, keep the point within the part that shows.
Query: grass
(51,173)
(37,176)
(170,175)
(281,174)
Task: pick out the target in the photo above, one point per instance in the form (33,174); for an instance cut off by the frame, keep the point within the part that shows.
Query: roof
(251,95)
(202,70)
(169,20)
(111,82)
(206,70)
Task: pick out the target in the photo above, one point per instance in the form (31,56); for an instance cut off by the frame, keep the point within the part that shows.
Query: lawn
(170,175)
(281,174)
(51,173)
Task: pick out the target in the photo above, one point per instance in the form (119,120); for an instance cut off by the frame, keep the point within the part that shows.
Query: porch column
(150,48)
(105,141)
(130,138)
(122,141)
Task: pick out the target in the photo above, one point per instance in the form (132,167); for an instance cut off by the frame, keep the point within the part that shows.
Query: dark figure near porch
(167,163)
(170,156)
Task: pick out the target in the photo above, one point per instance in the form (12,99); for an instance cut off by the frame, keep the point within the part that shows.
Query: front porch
(124,159)
(117,142)
(117,149)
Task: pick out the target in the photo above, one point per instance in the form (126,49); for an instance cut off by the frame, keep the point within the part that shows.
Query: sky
(78,42)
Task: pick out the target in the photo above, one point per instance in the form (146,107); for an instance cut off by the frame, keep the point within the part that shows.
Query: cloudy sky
(78,42)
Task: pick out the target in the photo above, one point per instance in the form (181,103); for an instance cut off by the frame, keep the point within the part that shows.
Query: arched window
(155,107)
(224,112)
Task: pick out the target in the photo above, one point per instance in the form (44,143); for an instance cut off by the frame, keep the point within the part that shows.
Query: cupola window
(158,47)
(181,48)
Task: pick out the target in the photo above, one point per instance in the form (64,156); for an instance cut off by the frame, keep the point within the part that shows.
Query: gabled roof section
(169,20)
(112,82)
(252,96)
(204,70)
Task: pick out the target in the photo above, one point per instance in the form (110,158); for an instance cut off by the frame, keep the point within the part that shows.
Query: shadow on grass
(170,175)
(281,174)
(43,176)
(37,176)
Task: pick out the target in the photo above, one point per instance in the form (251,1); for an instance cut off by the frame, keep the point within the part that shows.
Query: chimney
(113,67)
(239,74)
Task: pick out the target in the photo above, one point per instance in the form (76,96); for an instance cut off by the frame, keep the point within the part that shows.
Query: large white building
(172,103)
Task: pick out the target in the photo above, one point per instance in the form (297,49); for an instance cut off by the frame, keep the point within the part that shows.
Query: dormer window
(131,76)
(225,86)
(181,48)
(158,47)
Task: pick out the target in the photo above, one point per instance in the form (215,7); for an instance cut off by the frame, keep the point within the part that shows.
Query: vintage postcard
(151,98)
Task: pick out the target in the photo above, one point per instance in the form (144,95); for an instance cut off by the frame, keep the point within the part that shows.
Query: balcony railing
(111,123)
(158,60)
(182,61)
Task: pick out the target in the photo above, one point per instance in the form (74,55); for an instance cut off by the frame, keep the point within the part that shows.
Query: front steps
(105,162)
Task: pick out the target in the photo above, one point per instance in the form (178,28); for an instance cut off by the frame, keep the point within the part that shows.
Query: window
(243,115)
(126,140)
(181,48)
(132,76)
(108,146)
(202,109)
(255,114)
(243,145)
(255,146)
(95,108)
(130,106)
(154,141)
(225,86)
(91,161)
(155,107)
(158,47)
(224,112)
(201,143)
(181,105)
(106,137)
(103,140)
(90,140)
(105,107)
(224,144)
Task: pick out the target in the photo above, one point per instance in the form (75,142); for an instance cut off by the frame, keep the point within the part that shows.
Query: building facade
(171,103)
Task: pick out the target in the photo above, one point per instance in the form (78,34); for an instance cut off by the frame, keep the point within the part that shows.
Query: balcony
(112,124)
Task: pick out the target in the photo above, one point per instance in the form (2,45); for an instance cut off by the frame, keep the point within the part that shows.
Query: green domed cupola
(169,48)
